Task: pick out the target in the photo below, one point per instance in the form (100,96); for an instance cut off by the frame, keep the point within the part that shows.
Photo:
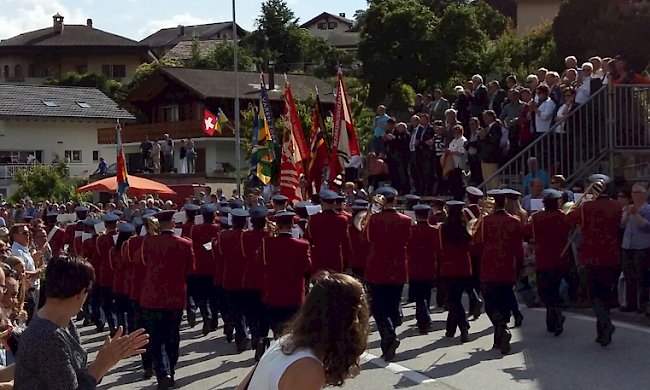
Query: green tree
(491,21)
(220,57)
(113,89)
(53,182)
(323,58)
(145,70)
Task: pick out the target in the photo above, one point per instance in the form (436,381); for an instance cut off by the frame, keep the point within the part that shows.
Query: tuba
(376,205)
(487,207)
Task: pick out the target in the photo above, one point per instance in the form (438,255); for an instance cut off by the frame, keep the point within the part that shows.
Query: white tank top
(274,363)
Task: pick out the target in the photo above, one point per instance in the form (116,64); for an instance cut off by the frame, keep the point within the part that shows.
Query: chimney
(342,14)
(89,23)
(181,30)
(58,23)
(271,76)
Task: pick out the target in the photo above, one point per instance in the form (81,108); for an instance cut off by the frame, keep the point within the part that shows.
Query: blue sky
(138,18)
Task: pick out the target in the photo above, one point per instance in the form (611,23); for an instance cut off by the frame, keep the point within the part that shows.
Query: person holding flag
(344,139)
(319,157)
(262,154)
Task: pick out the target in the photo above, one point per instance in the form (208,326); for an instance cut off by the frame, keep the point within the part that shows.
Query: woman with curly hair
(321,346)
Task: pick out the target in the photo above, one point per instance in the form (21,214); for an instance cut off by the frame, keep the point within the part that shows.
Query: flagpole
(237,113)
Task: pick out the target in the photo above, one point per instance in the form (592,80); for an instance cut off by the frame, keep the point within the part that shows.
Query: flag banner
(122,174)
(209,122)
(344,139)
(222,121)
(319,157)
(293,145)
(254,141)
(266,109)
(264,154)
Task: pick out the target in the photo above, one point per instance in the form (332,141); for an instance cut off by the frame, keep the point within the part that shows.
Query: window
(332,25)
(170,113)
(321,26)
(49,103)
(114,71)
(83,105)
(73,156)
(95,155)
(31,70)
(18,71)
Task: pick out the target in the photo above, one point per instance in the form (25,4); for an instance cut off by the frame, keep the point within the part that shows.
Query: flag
(266,109)
(344,139)
(212,122)
(122,174)
(254,141)
(262,153)
(319,156)
(294,150)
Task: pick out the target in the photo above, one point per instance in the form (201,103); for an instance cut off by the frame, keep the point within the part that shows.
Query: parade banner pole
(237,113)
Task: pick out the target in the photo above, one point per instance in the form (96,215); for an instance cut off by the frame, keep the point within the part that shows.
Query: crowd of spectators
(158,156)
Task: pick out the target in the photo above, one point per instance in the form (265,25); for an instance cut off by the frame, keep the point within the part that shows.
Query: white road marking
(414,376)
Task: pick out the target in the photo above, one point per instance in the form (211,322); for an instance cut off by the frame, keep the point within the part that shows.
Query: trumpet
(377,203)
(595,189)
(487,207)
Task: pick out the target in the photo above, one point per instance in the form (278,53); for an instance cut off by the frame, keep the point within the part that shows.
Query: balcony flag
(212,122)
(344,139)
(122,175)
(294,150)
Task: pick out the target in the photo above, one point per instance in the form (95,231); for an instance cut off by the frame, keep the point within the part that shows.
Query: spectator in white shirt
(459,153)
(543,109)
(584,90)
(597,64)
(541,75)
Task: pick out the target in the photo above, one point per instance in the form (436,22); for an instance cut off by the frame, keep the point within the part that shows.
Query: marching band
(252,267)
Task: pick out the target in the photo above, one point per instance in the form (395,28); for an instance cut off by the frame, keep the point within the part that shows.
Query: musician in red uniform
(231,252)
(599,221)
(411,201)
(287,265)
(191,211)
(120,264)
(388,233)
(452,248)
(300,209)
(471,211)
(70,231)
(328,234)
(500,238)
(338,206)
(56,239)
(104,243)
(200,285)
(438,216)
(358,243)
(254,309)
(89,253)
(134,253)
(169,260)
(218,296)
(422,265)
(548,231)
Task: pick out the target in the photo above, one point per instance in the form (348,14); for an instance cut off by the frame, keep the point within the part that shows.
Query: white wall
(53,137)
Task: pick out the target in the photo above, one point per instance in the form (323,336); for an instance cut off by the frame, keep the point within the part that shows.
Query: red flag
(319,152)
(209,122)
(344,139)
(293,144)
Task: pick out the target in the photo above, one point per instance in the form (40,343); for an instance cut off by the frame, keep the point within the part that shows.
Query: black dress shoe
(464,334)
(627,309)
(148,373)
(390,351)
(164,382)
(449,334)
(476,313)
(242,345)
(519,320)
(206,328)
(191,319)
(504,344)
(100,328)
(560,326)
(261,347)
(85,323)
(607,336)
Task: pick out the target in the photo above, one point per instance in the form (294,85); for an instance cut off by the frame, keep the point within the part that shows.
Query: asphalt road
(538,360)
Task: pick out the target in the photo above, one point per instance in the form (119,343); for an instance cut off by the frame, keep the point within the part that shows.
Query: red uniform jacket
(500,238)
(421,251)
(253,262)
(472,211)
(120,267)
(346,214)
(286,262)
(104,243)
(359,246)
(388,233)
(232,252)
(57,241)
(435,219)
(218,262)
(70,233)
(76,248)
(89,252)
(599,221)
(201,235)
(454,260)
(330,243)
(187,228)
(138,270)
(549,230)
(169,260)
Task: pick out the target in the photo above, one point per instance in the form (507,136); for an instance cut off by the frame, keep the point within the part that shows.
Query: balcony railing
(157,131)
(7,171)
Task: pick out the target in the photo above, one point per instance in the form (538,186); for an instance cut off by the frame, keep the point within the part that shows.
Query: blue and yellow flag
(263,151)
(122,175)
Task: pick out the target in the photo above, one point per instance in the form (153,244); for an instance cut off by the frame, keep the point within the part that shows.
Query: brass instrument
(153,226)
(376,205)
(274,230)
(595,189)
(488,205)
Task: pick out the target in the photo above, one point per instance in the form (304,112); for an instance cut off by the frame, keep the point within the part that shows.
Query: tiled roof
(221,84)
(171,36)
(183,50)
(58,102)
(328,16)
(72,35)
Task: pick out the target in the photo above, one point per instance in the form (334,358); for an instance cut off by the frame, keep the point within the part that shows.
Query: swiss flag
(209,122)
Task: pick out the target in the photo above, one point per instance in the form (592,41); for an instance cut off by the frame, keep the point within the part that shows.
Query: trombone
(595,189)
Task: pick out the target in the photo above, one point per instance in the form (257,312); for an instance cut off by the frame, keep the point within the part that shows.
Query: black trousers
(235,301)
(420,293)
(636,264)
(163,326)
(218,304)
(427,164)
(601,281)
(139,321)
(455,184)
(97,313)
(497,297)
(385,308)
(278,317)
(108,305)
(456,318)
(200,287)
(256,315)
(548,286)
(400,177)
(123,311)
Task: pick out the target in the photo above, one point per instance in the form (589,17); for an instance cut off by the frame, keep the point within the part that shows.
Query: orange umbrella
(137,186)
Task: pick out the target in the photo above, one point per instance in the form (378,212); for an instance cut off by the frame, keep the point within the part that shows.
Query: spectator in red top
(378,170)
(626,75)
